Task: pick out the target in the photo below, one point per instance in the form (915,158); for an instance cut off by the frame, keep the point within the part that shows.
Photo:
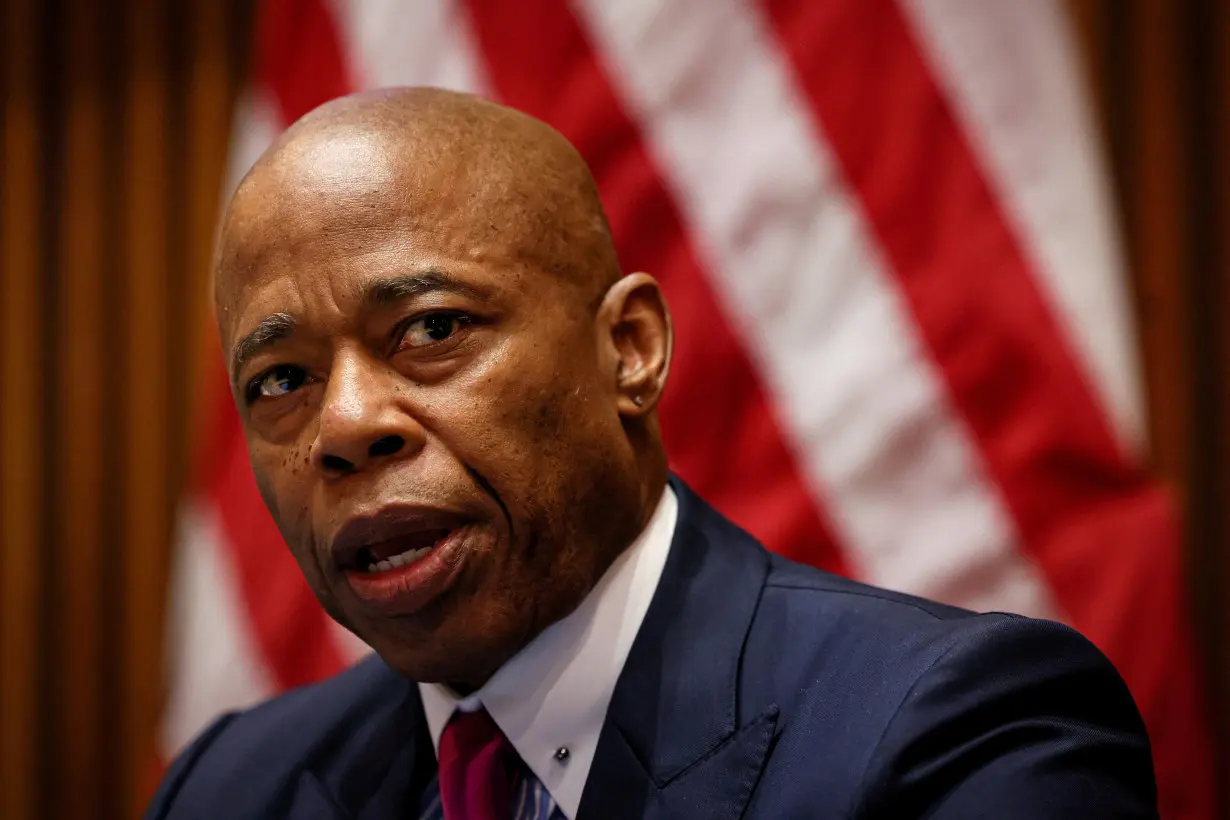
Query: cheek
(265,484)
(283,478)
(536,439)
(282,424)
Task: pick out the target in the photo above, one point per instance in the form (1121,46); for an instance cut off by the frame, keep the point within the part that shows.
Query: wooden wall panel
(1209,41)
(1133,52)
(209,103)
(1216,560)
(21,395)
(75,446)
(1150,132)
(148,497)
(115,128)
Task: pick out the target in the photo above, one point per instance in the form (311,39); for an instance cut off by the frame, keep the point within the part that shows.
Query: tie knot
(469,732)
(476,761)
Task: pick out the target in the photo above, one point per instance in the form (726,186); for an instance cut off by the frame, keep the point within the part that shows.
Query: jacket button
(562,754)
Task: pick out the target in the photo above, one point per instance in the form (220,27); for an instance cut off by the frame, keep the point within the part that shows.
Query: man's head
(438,365)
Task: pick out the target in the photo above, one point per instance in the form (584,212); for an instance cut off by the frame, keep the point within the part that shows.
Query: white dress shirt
(554,693)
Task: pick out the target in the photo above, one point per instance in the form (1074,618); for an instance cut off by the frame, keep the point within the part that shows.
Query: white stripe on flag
(790,252)
(1010,70)
(391,43)
(212,663)
(256,127)
(351,648)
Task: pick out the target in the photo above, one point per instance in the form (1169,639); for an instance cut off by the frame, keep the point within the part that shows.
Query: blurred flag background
(905,352)
(908,348)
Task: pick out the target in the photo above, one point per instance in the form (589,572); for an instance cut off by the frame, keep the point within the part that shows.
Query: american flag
(905,351)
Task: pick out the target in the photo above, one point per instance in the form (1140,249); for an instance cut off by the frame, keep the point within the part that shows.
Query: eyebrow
(398,288)
(269,330)
(377,293)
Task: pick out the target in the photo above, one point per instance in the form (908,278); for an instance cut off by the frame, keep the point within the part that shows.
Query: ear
(637,324)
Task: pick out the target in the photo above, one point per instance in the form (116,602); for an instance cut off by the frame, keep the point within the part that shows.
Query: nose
(362,422)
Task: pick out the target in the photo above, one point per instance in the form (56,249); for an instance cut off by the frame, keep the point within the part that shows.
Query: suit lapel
(385,782)
(412,769)
(672,744)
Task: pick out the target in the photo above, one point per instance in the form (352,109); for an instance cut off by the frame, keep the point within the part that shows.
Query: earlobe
(641,336)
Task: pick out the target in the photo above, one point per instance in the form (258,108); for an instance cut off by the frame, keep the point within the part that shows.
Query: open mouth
(399,558)
(398,552)
(393,537)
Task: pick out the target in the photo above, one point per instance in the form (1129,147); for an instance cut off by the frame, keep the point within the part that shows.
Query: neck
(655,475)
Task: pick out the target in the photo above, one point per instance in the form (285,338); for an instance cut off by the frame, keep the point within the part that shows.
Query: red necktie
(475,758)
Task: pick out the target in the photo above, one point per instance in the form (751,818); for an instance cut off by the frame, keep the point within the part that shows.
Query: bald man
(448,393)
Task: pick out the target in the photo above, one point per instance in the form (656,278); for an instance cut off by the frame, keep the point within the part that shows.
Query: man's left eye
(431,329)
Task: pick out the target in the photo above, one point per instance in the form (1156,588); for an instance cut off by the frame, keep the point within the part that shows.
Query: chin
(437,658)
(425,667)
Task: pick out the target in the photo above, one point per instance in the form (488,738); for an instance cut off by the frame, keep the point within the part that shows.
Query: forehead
(349,182)
(344,212)
(341,274)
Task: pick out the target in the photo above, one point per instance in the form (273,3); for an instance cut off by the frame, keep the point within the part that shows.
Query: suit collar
(672,737)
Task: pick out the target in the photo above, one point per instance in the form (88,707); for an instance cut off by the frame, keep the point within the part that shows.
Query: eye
(281,380)
(432,329)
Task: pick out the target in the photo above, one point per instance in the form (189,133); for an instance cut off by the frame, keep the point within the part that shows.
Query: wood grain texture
(76,701)
(1209,32)
(210,102)
(1152,137)
(21,397)
(147,502)
(116,122)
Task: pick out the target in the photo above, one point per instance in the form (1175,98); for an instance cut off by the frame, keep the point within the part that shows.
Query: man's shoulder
(798,583)
(248,761)
(882,676)
(885,704)
(814,631)
(368,692)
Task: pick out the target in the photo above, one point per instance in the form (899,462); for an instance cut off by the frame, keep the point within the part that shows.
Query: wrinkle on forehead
(445,166)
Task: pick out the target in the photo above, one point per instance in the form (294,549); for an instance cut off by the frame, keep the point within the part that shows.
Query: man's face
(431,418)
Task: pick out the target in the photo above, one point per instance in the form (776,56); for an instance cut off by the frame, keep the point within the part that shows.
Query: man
(448,392)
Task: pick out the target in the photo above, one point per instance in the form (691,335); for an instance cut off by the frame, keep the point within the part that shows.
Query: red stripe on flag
(1101,531)
(300,58)
(717,419)
(300,64)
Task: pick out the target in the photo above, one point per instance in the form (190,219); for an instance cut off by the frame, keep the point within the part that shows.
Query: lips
(400,558)
(398,551)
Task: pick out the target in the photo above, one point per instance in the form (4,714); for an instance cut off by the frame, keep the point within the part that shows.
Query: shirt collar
(554,693)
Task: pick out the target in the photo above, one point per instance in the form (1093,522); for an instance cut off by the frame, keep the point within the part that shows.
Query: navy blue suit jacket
(756,688)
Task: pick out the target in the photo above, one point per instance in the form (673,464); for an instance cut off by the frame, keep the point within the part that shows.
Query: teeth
(400,560)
